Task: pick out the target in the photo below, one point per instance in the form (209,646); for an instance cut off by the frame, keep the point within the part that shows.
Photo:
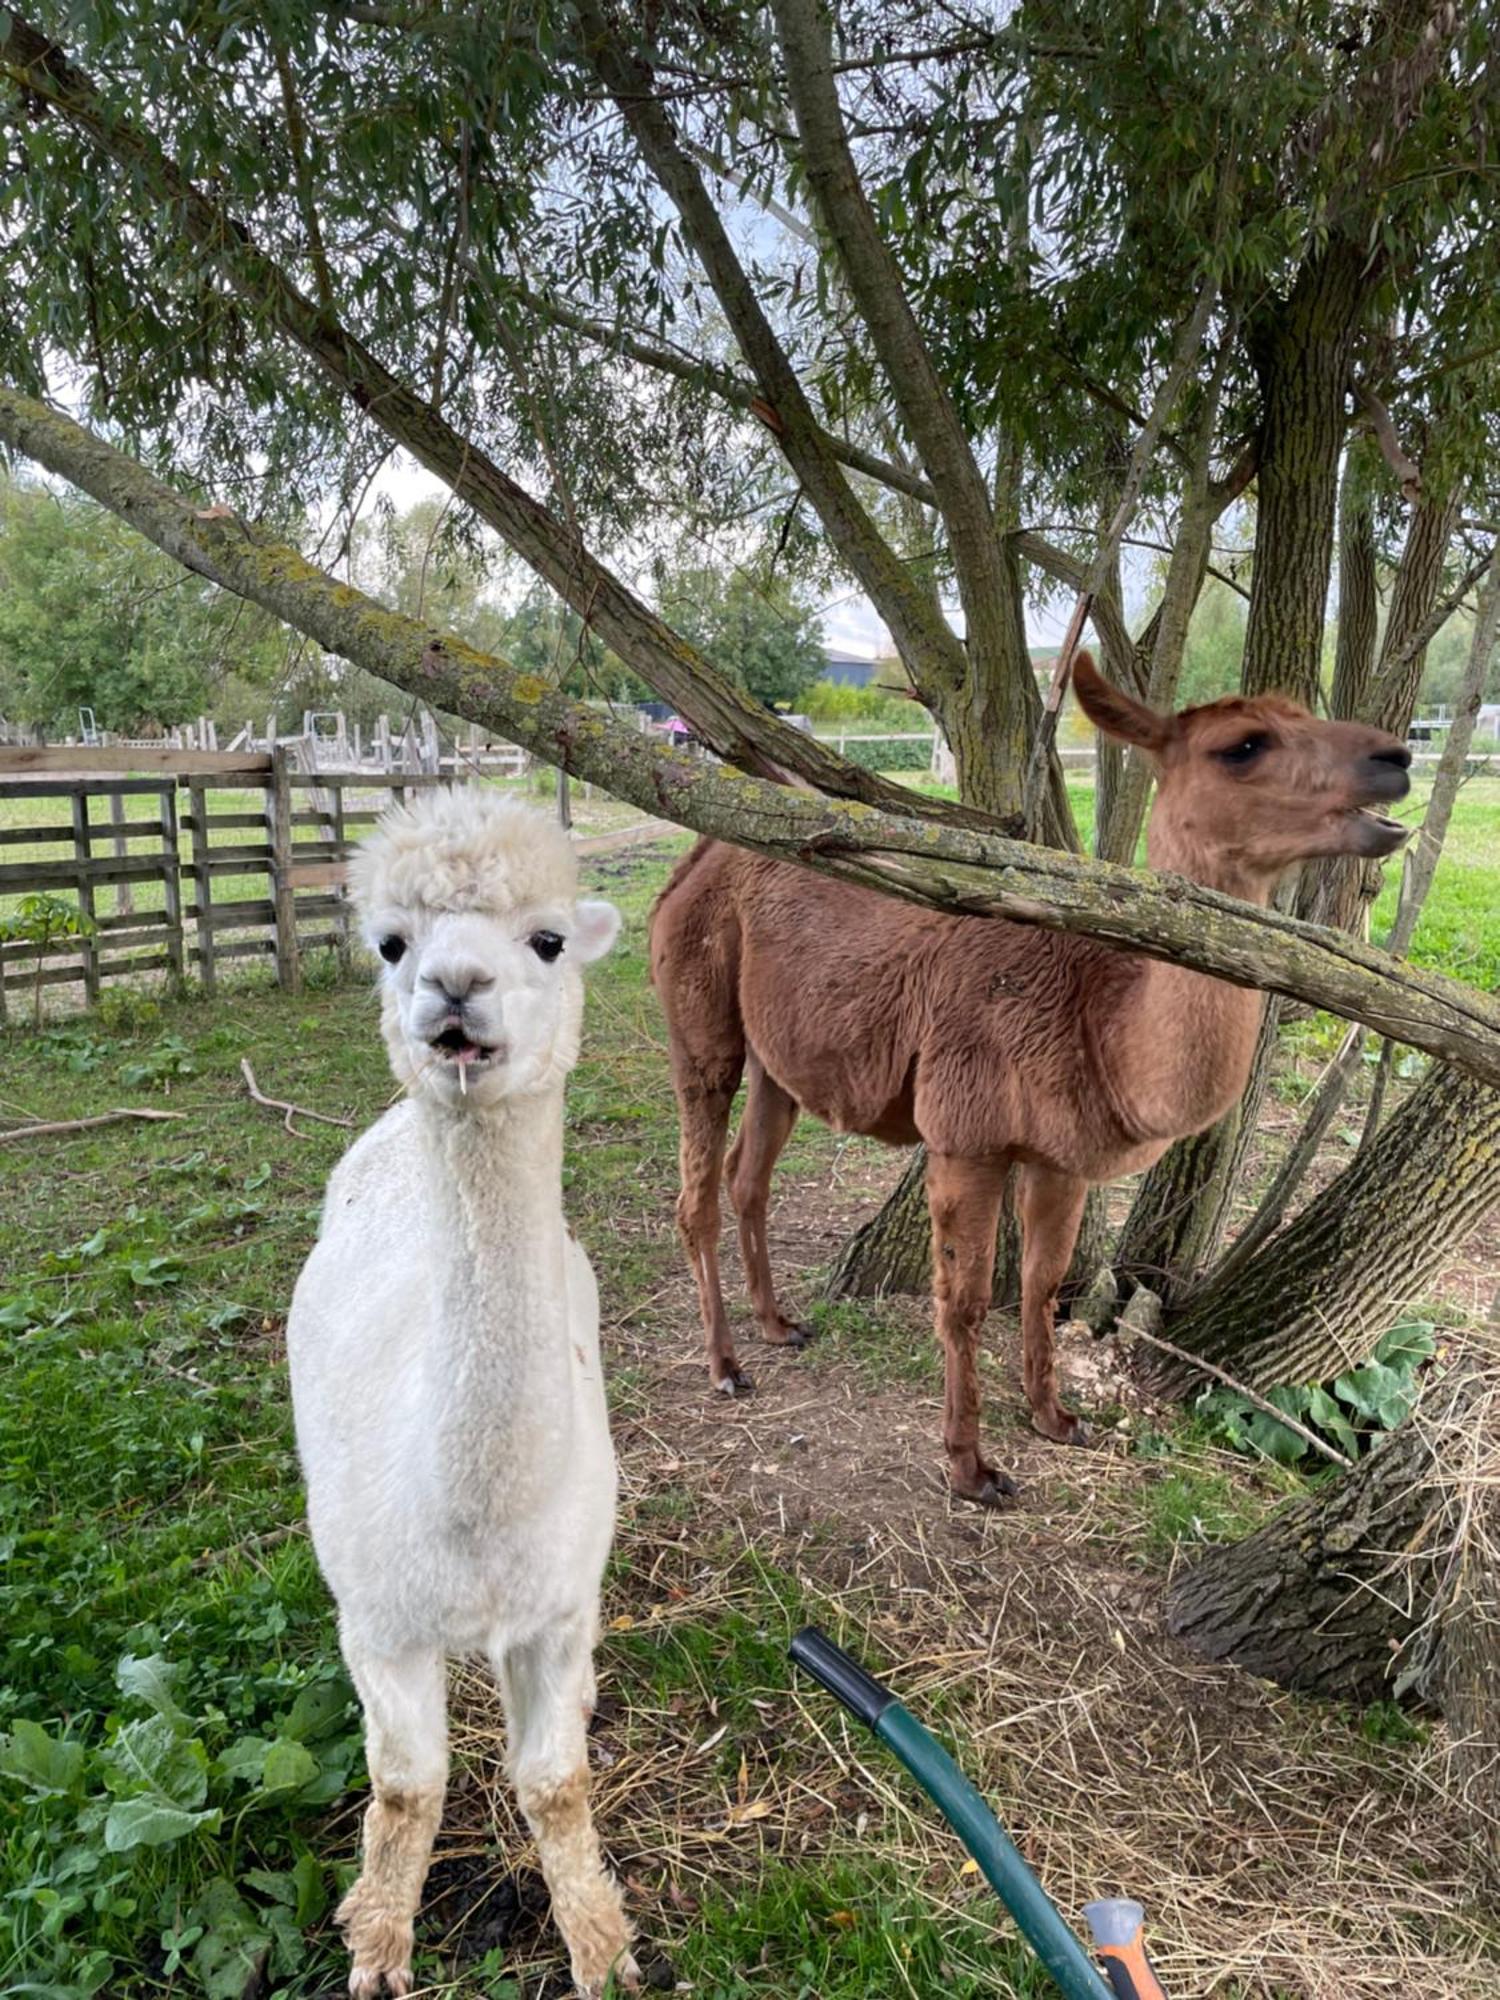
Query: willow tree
(935,311)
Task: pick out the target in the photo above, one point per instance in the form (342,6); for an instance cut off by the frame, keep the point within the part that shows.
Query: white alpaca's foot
(598,1939)
(380,1944)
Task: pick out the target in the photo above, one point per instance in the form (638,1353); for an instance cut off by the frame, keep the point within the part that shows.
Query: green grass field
(181,1782)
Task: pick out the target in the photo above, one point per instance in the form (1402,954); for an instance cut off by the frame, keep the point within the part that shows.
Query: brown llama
(999,1045)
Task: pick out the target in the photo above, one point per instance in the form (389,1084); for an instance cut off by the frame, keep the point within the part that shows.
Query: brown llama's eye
(1245,751)
(392,949)
(546,944)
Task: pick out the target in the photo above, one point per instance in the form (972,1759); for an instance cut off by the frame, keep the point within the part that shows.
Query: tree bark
(956,869)
(1302,353)
(1340,892)
(1329,1596)
(1316,1299)
(892,1252)
(1359,604)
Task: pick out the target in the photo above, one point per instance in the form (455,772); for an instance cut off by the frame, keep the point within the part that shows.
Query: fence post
(171,878)
(341,853)
(283,895)
(81,856)
(124,891)
(203,884)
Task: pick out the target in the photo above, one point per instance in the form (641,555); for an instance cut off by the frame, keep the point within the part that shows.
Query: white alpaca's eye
(392,949)
(546,944)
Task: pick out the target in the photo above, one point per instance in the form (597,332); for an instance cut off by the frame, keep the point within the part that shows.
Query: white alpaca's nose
(454,978)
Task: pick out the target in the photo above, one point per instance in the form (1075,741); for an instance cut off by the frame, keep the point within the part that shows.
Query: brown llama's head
(1252,785)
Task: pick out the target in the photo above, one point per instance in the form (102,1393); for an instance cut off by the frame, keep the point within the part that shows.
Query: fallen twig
(280,1104)
(41,1129)
(252,1544)
(1308,1437)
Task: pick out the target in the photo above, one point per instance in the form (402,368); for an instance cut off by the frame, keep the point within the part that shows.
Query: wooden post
(283,895)
(564,801)
(171,876)
(203,884)
(89,945)
(341,915)
(124,891)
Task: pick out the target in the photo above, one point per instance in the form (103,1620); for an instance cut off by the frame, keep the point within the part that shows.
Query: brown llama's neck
(1181,1047)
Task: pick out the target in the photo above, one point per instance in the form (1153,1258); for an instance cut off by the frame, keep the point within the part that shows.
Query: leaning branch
(945,868)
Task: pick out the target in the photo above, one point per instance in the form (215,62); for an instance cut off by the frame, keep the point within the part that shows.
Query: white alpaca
(444,1346)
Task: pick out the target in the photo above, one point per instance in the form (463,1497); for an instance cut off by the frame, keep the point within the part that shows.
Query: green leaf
(288,1767)
(151,1756)
(48,1765)
(1274,1439)
(1409,1342)
(1366,1389)
(1327,1416)
(245,1758)
(319,1709)
(150,1680)
(150,1821)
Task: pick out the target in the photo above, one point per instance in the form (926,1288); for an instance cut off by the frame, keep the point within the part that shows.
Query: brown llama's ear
(1116,713)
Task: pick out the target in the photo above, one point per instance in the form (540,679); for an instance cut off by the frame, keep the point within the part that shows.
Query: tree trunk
(1182,1206)
(1359,605)
(1341,891)
(1302,358)
(1316,1299)
(1467,1676)
(892,1252)
(1329,1596)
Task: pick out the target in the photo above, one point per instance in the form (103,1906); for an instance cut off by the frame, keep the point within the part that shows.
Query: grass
(181,1783)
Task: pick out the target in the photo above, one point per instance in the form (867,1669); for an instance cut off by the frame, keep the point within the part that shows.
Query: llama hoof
(997,1491)
(735,1383)
(795,1334)
(1062,1427)
(986,1487)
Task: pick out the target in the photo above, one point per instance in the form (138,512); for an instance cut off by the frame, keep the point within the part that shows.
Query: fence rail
(222,882)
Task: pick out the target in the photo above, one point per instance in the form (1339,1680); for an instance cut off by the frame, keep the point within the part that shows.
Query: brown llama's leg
(1050,1208)
(964,1198)
(770,1113)
(704,1095)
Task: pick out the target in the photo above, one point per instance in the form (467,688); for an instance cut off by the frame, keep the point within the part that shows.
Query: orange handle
(1129,1970)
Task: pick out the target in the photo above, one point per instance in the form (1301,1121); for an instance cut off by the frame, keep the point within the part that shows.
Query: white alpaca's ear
(595,928)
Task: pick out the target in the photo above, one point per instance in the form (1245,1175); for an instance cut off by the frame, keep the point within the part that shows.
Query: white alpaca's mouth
(455,1047)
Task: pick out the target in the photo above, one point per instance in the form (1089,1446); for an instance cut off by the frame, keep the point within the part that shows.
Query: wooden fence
(168,874)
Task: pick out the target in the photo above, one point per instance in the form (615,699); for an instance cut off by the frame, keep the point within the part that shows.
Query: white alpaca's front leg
(545,1685)
(406,1747)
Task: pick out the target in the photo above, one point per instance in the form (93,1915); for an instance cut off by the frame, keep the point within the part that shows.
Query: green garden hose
(1117,1925)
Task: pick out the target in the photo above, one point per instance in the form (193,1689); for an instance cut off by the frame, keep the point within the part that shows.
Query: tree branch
(1408,472)
(1185,353)
(923,637)
(296,134)
(940,867)
(877,285)
(734,389)
(739,728)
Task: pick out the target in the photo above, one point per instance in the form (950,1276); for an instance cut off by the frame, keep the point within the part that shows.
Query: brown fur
(999,1045)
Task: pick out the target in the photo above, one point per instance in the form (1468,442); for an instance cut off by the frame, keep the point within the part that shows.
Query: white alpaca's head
(472,902)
